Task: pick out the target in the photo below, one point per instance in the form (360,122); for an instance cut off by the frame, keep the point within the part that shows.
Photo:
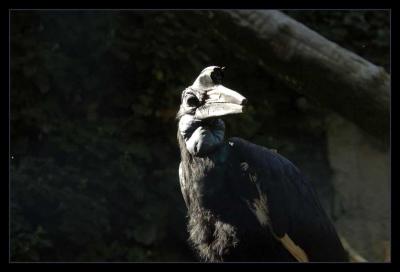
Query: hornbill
(245,202)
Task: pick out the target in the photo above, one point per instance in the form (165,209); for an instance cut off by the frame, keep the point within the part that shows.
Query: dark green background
(94,157)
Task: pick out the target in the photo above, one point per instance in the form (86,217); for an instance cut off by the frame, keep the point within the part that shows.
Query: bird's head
(202,105)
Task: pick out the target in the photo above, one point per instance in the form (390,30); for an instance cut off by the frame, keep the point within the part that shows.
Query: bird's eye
(192,101)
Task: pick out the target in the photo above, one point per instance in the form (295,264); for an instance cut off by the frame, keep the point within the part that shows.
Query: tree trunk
(320,69)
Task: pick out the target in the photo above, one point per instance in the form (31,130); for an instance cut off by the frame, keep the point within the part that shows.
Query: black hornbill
(245,202)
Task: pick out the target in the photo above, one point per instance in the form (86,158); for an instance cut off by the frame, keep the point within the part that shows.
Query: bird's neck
(217,156)
(201,137)
(203,174)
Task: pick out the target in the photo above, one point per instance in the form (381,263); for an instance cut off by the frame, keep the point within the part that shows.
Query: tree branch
(320,69)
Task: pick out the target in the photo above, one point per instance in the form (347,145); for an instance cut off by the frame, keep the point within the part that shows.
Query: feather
(294,249)
(284,202)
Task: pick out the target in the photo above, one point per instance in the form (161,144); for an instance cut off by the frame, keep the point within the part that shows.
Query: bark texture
(321,69)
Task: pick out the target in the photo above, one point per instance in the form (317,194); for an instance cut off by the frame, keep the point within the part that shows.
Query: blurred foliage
(94,95)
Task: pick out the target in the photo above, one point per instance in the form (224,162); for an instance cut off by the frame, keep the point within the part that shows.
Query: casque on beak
(220,101)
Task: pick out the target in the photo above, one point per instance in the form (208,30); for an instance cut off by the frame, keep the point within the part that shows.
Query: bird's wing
(286,203)
(183,184)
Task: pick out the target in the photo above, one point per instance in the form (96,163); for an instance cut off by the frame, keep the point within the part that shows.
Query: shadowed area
(94,156)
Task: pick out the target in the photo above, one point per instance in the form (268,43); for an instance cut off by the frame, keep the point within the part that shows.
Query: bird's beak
(221,101)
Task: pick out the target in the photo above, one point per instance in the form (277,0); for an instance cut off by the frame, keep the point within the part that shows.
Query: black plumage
(245,202)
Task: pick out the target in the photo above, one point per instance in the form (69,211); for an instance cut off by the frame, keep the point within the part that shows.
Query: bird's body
(245,202)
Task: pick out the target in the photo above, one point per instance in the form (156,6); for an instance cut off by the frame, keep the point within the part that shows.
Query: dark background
(94,157)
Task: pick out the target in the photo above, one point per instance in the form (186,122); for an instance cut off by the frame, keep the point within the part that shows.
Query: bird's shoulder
(262,158)
(274,175)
